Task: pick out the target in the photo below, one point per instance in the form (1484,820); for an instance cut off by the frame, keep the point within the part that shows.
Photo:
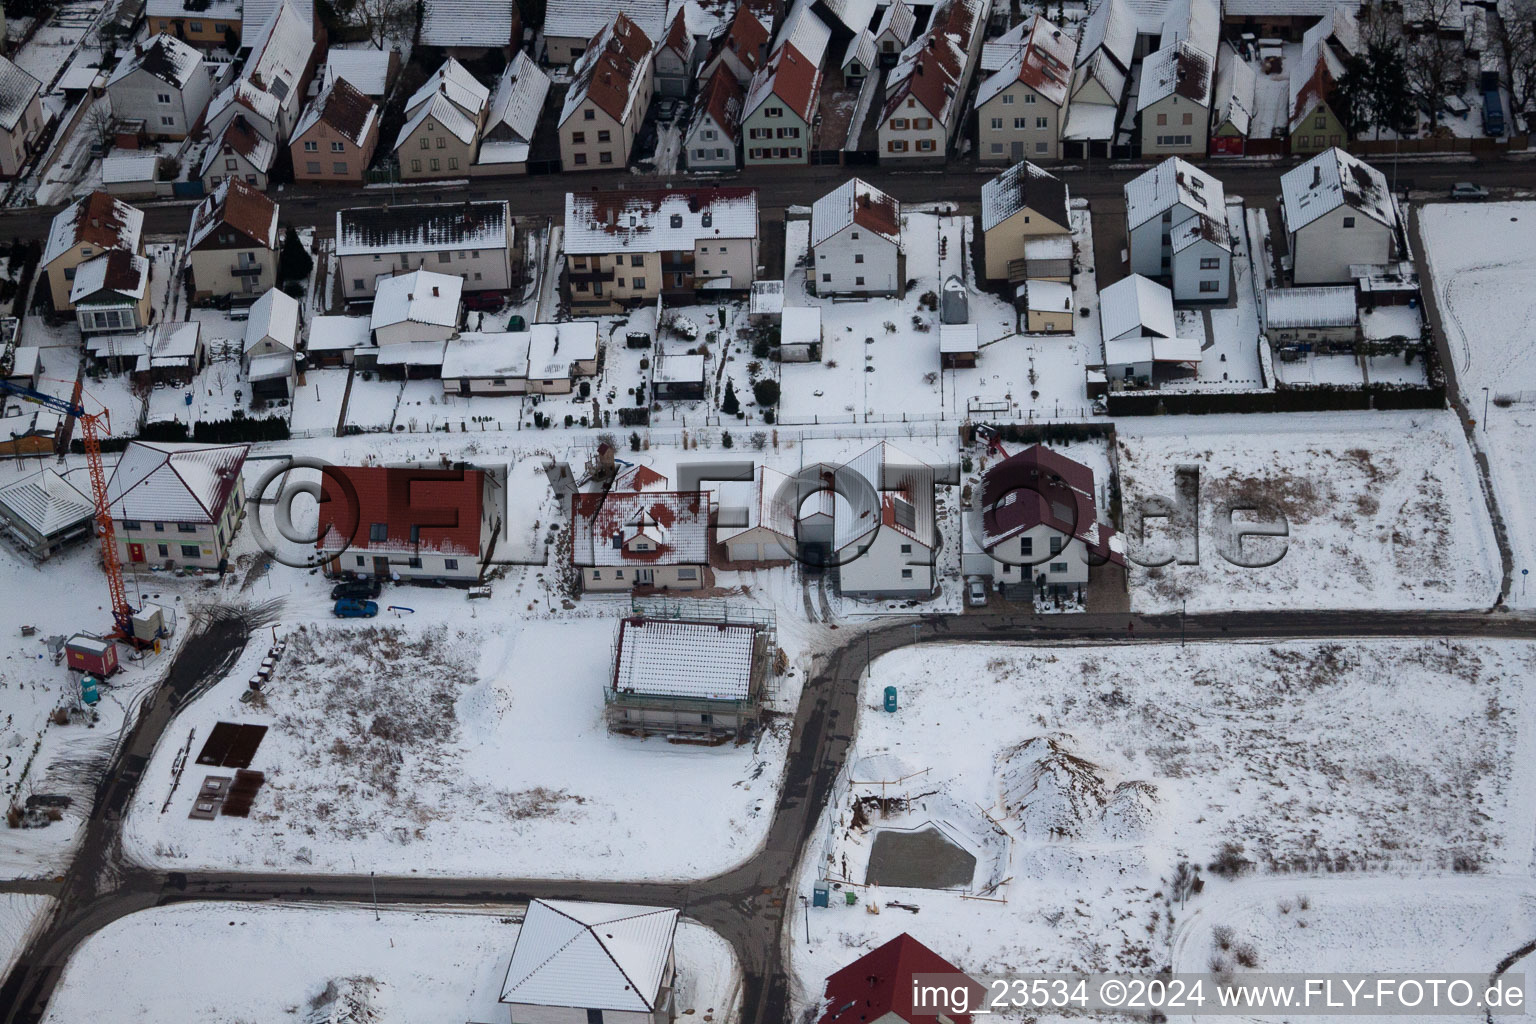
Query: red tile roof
(611,77)
(1038,486)
(746,38)
(880,982)
(795,81)
(444,505)
(722,98)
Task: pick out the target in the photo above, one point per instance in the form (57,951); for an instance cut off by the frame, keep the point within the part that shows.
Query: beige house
(475,241)
(203,23)
(1047,307)
(232,246)
(651,539)
(86,230)
(336,136)
(607,100)
(1021,106)
(1174,104)
(441,134)
(176,507)
(21,117)
(1020,205)
(627,247)
(925,92)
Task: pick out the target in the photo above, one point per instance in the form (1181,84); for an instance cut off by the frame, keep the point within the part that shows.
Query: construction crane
(92,427)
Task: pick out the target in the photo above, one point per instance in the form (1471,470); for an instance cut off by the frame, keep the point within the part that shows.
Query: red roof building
(407,522)
(878,985)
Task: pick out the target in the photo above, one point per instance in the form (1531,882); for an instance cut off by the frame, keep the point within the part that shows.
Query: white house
(1139,330)
(884,531)
(164,84)
(472,240)
(925,92)
(282,61)
(476,363)
(246,148)
(1174,104)
(585,962)
(780,108)
(176,506)
(1176,218)
(856,242)
(1339,211)
(271,342)
(419,307)
(710,141)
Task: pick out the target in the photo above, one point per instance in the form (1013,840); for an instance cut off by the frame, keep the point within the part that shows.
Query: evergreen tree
(294,263)
(730,405)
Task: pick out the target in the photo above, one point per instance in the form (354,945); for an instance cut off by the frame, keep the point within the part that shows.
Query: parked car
(359,589)
(976,592)
(352,608)
(484,302)
(666,109)
(1467,190)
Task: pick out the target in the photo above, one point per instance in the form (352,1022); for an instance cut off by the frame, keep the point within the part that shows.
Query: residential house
(335,340)
(1040,525)
(856,242)
(711,138)
(1236,100)
(242,153)
(755,519)
(335,137)
(893,32)
(742,50)
(878,521)
(1105,53)
(134,174)
(84,231)
(203,23)
(1047,307)
(1137,325)
(690,678)
(516,107)
(21,117)
(571,26)
(232,244)
(370,72)
(779,109)
(626,541)
(471,28)
(43,513)
(925,91)
(859,59)
(559,353)
(111,292)
(1020,107)
(164,85)
(481,363)
(681,50)
(592,961)
(607,100)
(243,100)
(1313,126)
(421,307)
(474,241)
(628,247)
(1176,218)
(268,356)
(879,986)
(282,62)
(410,523)
(1021,204)
(806,31)
(441,134)
(177,507)
(1338,212)
(1174,104)
(173,354)
(1311,319)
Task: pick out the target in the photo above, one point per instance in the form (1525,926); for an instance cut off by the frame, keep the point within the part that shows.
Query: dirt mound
(1053,792)
(1130,812)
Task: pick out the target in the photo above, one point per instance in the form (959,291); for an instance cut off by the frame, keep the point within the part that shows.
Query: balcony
(590,275)
(247,270)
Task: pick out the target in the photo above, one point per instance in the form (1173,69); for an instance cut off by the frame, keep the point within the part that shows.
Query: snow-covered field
(1107,767)
(250,962)
(1482,260)
(1383,510)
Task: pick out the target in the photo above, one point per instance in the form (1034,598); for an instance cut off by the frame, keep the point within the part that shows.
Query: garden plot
(1108,767)
(1482,258)
(1382,511)
(410,747)
(311,963)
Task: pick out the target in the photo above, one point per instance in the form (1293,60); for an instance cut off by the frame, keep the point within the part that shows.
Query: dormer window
(708,220)
(677,220)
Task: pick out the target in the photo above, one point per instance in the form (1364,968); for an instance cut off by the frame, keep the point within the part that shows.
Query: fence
(1317,398)
(1420,147)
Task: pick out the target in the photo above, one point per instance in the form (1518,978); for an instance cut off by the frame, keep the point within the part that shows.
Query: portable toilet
(91,654)
(890,698)
(821,895)
(88,692)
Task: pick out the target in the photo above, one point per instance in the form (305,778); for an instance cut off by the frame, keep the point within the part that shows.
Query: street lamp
(374,885)
(1485,408)
(1183,609)
(806,903)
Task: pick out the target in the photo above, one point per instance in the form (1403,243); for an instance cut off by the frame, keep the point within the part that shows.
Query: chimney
(434,291)
(138,49)
(1317,175)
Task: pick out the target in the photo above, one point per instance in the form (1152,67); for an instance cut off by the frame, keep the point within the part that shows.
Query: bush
(767,393)
(767,415)
(730,404)
(760,348)
(634,417)
(726,440)
(1230,862)
(634,438)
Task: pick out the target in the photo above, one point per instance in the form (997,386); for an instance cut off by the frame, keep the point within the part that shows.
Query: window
(186,527)
(826,278)
(605,157)
(1029,98)
(589,115)
(997,124)
(190,551)
(580,158)
(450,563)
(414,563)
(858,257)
(636,259)
(906,549)
(436,164)
(906,574)
(997,147)
(312,166)
(164,549)
(578,138)
(1320,121)
(453,163)
(1019,122)
(1162,119)
(195,26)
(162,97)
(597,574)
(1026,545)
(1187,119)
(1304,141)
(638,283)
(1042,122)
(1042,147)
(132,524)
(357,284)
(378,532)
(1007,99)
(604,136)
(1210,286)
(858,281)
(773,112)
(1055,545)
(1058,567)
(1349,222)
(1210,263)
(925,145)
(69,274)
(444,257)
(898,124)
(415,165)
(922,124)
(167,121)
(687,574)
(338,147)
(477,275)
(159,527)
(441,142)
(360,560)
(229,165)
(339,167)
(708,134)
(426,143)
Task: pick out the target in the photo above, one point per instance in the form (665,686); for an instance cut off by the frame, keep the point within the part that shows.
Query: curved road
(747,904)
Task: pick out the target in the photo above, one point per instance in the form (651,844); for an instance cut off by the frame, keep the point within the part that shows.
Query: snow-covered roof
(344,108)
(801,325)
(1181,68)
(1136,305)
(856,201)
(1151,349)
(422,297)
(429,227)
(1200,229)
(1089,121)
(1169,184)
(598,956)
(767,298)
(1310,307)
(338,333)
(478,355)
(124,166)
(791,76)
(263,105)
(861,50)
(1037,54)
(1312,82)
(47,503)
(656,220)
(855,15)
(26,361)
(475,23)
(897,21)
(454,81)
(583,19)
(1025,185)
(165,483)
(677,520)
(720,101)
(806,32)
(117,272)
(212,9)
(257,13)
(1236,92)
(700,660)
(276,316)
(1339,25)
(903,486)
(1289,8)
(412,353)
(1109,31)
(241,137)
(933,67)
(171,344)
(553,348)
(241,207)
(611,72)
(442,110)
(367,71)
(1048,296)
(99,221)
(518,102)
(679,370)
(164,57)
(1333,179)
(271,366)
(955,339)
(280,53)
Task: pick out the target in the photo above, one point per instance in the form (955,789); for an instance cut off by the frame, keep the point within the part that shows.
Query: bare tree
(98,124)
(385,20)
(1433,60)
(1517,38)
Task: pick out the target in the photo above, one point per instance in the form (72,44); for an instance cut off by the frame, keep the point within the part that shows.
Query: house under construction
(689,677)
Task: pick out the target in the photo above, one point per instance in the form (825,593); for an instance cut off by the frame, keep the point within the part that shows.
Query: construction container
(148,623)
(91,654)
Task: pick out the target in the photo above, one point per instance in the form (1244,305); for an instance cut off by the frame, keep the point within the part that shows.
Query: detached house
(1105,53)
(882,551)
(1313,125)
(779,109)
(1176,216)
(282,61)
(244,120)
(336,136)
(925,91)
(203,23)
(416,308)
(111,292)
(607,100)
(164,85)
(1339,212)
(232,245)
(624,541)
(271,345)
(514,117)
(680,52)
(856,242)
(88,229)
(1020,107)
(742,50)
(1023,205)
(628,247)
(177,507)
(709,142)
(1174,104)
(21,117)
(441,134)
(472,240)
(1236,100)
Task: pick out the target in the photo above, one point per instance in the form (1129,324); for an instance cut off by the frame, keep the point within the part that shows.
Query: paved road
(746,905)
